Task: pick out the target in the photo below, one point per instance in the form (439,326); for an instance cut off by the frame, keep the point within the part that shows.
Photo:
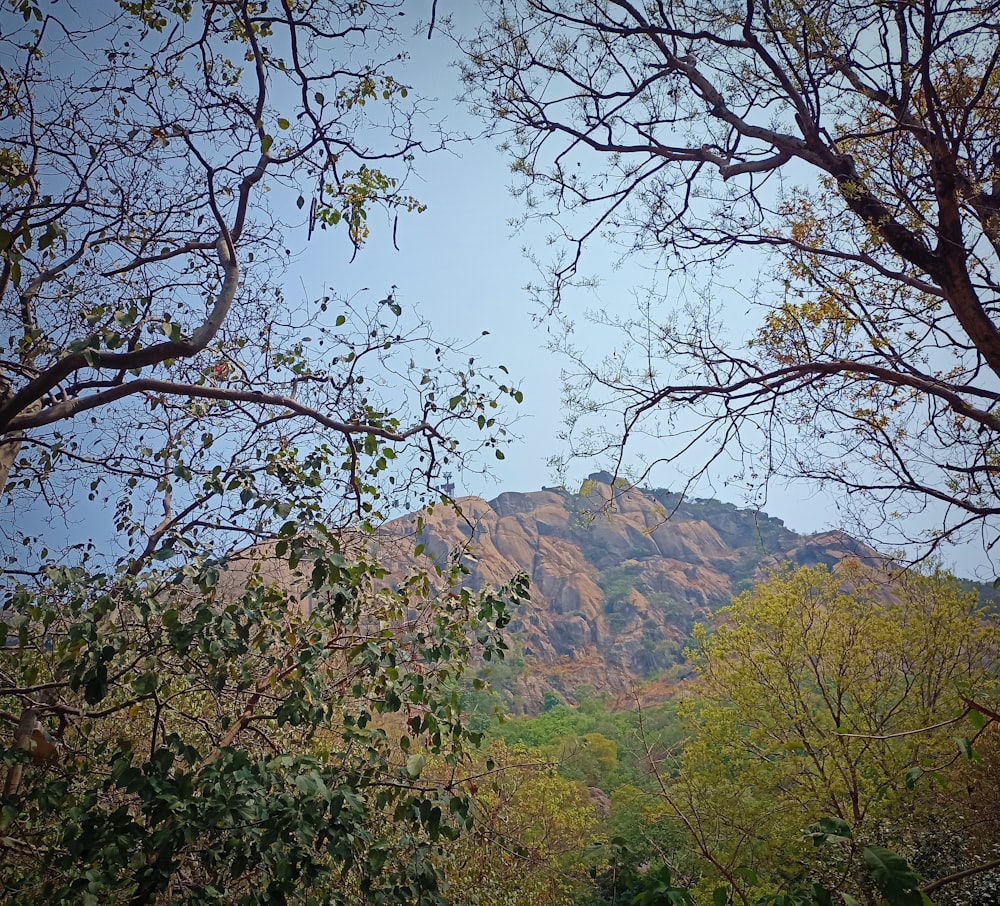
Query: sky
(462,265)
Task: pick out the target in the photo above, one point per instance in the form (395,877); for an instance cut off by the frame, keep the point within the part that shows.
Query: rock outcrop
(618,576)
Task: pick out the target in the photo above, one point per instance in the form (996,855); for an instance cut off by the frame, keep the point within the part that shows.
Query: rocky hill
(618,576)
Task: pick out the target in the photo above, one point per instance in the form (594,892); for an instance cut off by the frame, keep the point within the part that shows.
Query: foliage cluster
(827,749)
(210,690)
(223,745)
(831,694)
(535,836)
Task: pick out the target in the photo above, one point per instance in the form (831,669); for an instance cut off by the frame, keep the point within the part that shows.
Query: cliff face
(618,577)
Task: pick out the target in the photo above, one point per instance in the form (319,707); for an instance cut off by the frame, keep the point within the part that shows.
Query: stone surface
(618,576)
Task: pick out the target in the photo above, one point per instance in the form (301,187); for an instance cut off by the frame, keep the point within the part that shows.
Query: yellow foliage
(816,695)
(528,845)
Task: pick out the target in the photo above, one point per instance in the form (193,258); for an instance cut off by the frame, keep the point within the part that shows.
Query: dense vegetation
(827,731)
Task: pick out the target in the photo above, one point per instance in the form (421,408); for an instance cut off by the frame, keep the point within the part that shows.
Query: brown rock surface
(618,576)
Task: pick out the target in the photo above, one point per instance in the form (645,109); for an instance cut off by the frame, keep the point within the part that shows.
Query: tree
(144,261)
(215,744)
(855,147)
(217,694)
(830,699)
(539,830)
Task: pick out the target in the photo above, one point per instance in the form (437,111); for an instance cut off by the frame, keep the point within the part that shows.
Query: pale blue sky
(462,263)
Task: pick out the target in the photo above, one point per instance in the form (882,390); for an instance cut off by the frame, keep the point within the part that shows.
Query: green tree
(844,155)
(224,698)
(591,759)
(828,696)
(218,744)
(533,835)
(643,835)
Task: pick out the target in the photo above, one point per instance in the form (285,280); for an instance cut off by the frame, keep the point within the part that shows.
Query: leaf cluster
(238,739)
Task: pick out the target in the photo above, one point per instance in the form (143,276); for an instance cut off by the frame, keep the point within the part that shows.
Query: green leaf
(747,873)
(265,144)
(7,816)
(415,765)
(145,683)
(96,685)
(821,895)
(52,232)
(829,828)
(283,123)
(893,876)
(849,900)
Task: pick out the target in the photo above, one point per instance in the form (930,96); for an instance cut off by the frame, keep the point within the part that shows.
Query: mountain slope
(618,576)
